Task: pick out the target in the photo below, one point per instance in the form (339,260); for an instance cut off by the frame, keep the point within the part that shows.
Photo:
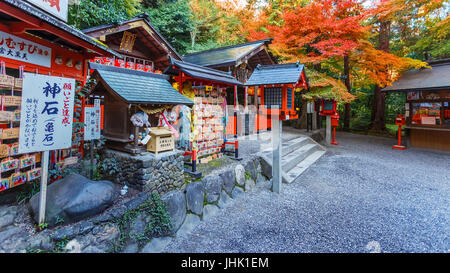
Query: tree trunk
(379,98)
(347,84)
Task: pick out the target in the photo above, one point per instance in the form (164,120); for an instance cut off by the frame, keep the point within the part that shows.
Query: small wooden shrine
(127,92)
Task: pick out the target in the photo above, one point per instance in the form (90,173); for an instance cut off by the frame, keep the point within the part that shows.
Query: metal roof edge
(228,47)
(96,66)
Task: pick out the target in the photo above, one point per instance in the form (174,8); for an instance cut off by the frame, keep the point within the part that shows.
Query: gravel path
(360,197)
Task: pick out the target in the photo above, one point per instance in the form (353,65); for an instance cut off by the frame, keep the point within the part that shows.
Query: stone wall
(149,172)
(187,207)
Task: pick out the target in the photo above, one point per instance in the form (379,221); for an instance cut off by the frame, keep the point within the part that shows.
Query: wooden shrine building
(427,93)
(36,40)
(277,85)
(239,59)
(142,46)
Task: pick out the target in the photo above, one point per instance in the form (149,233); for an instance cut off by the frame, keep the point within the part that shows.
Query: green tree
(173,19)
(90,13)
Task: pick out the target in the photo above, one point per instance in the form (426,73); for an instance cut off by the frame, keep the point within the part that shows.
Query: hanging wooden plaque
(18,83)
(10,133)
(6,116)
(4,150)
(33,174)
(6,81)
(12,100)
(18,179)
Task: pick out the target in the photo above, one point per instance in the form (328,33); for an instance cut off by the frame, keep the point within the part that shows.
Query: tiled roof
(424,79)
(200,72)
(276,74)
(28,8)
(229,55)
(138,86)
(144,16)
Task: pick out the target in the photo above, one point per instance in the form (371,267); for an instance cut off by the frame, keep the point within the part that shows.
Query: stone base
(149,172)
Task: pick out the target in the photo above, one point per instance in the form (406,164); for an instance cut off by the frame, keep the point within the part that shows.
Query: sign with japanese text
(13,47)
(47,113)
(57,8)
(92,119)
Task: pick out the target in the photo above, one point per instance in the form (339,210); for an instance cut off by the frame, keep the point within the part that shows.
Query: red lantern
(140,67)
(148,68)
(120,63)
(108,61)
(129,65)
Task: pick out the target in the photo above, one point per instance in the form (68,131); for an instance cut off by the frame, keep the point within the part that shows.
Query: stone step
(298,155)
(294,174)
(293,145)
(287,147)
(291,160)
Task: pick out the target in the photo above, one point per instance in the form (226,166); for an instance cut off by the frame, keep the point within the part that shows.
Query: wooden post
(277,127)
(328,132)
(43,191)
(92,159)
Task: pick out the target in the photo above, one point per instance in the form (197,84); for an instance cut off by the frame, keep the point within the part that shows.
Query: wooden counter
(429,138)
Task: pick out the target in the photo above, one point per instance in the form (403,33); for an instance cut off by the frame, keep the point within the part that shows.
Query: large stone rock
(156,245)
(7,216)
(237,193)
(224,200)
(74,198)
(213,187)
(250,167)
(175,202)
(195,195)
(189,224)
(249,185)
(266,169)
(229,180)
(240,175)
(209,211)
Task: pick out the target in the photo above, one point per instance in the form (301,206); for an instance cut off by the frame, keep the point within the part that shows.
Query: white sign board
(13,47)
(57,8)
(92,119)
(47,113)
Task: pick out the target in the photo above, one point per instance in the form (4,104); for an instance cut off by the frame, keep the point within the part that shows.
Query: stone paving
(362,196)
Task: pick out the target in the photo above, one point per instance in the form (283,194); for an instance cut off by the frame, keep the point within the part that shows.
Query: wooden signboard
(6,80)
(12,100)
(128,40)
(10,133)
(70,161)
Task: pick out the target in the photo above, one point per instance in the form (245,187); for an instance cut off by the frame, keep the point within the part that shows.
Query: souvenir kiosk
(35,40)
(427,108)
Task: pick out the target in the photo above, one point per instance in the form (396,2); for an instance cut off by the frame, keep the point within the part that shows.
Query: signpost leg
(277,127)
(43,191)
(92,159)
(328,133)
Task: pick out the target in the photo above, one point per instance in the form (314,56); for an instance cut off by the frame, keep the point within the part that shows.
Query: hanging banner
(13,47)
(57,8)
(92,119)
(47,113)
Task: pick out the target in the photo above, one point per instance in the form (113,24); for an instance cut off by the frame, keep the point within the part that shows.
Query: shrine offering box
(161,140)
